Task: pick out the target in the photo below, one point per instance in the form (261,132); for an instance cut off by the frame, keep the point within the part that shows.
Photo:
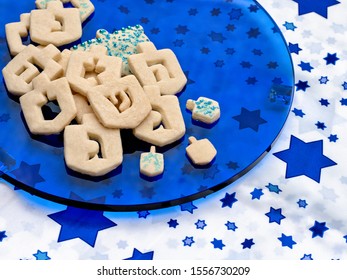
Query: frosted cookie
(85,7)
(120,104)
(44,92)
(121,43)
(204,109)
(88,69)
(55,25)
(15,31)
(92,149)
(157,67)
(28,64)
(152,163)
(164,125)
(201,152)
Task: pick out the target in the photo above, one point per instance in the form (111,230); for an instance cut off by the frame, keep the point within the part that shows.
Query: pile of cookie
(115,81)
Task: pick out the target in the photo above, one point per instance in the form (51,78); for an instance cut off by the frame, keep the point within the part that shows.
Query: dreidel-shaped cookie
(200,152)
(152,163)
(204,109)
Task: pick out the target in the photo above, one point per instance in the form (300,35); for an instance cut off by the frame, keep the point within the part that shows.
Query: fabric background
(291,206)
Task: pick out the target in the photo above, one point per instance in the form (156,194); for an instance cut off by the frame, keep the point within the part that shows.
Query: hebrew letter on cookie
(55,25)
(44,92)
(165,124)
(92,68)
(92,149)
(15,31)
(121,104)
(24,67)
(157,67)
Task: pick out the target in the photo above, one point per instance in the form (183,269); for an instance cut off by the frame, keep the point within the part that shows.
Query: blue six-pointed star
(249,119)
(275,215)
(318,229)
(319,7)
(305,159)
(229,200)
(81,223)
(137,255)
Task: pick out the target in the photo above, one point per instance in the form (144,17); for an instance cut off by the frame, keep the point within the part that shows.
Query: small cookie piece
(83,107)
(15,31)
(55,25)
(165,124)
(120,104)
(25,66)
(88,69)
(201,152)
(152,163)
(92,149)
(64,60)
(121,43)
(204,109)
(45,91)
(157,67)
(86,7)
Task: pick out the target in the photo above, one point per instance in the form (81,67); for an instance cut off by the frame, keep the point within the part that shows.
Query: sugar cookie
(92,149)
(152,163)
(165,124)
(157,67)
(86,7)
(204,109)
(15,31)
(43,92)
(64,60)
(55,25)
(83,107)
(25,66)
(121,43)
(120,104)
(201,152)
(87,69)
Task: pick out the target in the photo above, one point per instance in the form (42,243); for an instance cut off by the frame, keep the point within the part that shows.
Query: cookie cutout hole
(58,24)
(99,154)
(68,5)
(21,70)
(50,110)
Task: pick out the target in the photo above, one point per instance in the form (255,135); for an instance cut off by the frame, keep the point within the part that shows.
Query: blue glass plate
(230,51)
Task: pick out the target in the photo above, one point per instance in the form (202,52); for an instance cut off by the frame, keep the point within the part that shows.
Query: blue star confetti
(305,159)
(229,200)
(318,229)
(41,256)
(257,193)
(137,255)
(231,226)
(318,7)
(2,235)
(217,244)
(81,223)
(287,241)
(275,215)
(247,244)
(188,241)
